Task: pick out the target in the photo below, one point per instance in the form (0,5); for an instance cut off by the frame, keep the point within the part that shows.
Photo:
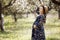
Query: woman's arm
(41,2)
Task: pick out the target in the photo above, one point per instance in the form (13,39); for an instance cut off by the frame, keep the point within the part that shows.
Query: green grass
(52,27)
(21,30)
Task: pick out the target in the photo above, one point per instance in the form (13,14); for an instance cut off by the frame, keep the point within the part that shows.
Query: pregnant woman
(38,27)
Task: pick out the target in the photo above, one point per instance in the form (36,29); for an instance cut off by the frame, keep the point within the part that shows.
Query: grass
(21,30)
(52,27)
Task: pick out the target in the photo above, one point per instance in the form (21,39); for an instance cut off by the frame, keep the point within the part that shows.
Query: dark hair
(37,10)
(44,10)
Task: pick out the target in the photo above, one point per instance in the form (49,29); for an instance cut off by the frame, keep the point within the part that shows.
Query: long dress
(38,34)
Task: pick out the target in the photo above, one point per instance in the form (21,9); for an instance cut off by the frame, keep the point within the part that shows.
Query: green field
(21,30)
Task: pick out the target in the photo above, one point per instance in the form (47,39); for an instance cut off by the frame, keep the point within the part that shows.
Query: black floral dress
(38,34)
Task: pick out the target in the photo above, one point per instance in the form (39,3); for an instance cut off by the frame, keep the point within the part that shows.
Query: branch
(55,2)
(10,3)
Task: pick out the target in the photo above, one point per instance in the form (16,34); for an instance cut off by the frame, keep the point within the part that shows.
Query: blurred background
(17,17)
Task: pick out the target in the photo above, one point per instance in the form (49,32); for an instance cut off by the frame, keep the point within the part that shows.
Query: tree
(56,4)
(59,13)
(1,13)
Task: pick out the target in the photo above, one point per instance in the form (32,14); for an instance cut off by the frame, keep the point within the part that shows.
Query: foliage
(21,30)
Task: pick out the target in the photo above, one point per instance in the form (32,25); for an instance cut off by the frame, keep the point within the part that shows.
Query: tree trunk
(59,13)
(1,22)
(1,18)
(27,14)
(15,17)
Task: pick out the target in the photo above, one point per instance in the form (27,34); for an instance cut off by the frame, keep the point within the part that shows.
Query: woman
(37,28)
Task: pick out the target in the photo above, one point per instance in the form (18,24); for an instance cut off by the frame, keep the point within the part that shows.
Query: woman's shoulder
(40,16)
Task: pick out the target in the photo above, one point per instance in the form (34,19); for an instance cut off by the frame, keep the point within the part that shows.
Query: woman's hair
(37,10)
(42,8)
(45,9)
